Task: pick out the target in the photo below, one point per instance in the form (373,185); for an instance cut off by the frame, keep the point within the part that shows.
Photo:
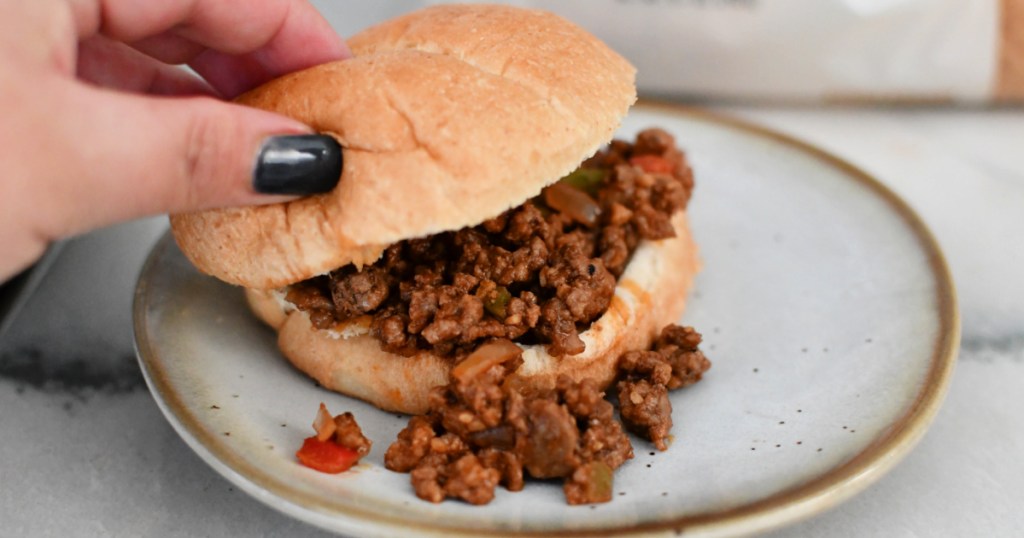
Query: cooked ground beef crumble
(539,273)
(481,431)
(673,362)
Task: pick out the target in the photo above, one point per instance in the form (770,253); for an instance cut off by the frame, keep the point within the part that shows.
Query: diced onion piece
(575,203)
(324,424)
(485,356)
(502,437)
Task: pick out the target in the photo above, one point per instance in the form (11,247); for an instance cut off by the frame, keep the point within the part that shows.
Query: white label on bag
(798,49)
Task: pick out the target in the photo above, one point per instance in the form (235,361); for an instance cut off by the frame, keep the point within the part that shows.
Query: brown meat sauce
(483,431)
(673,362)
(535,274)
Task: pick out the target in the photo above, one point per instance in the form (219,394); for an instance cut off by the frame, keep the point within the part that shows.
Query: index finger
(266,37)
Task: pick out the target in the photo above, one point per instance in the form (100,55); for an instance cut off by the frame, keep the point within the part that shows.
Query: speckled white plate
(827,310)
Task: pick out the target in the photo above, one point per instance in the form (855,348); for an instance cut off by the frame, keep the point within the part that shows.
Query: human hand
(99,127)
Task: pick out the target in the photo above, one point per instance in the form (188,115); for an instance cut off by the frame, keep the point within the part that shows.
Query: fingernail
(298,164)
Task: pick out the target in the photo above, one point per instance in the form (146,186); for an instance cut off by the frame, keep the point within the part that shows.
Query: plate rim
(782,508)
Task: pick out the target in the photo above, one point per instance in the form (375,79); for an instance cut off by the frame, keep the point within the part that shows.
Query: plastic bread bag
(927,51)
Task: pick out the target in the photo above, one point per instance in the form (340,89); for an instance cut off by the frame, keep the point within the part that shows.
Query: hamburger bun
(650,294)
(447,117)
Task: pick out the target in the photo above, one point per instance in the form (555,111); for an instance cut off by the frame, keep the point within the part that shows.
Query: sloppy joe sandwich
(482,199)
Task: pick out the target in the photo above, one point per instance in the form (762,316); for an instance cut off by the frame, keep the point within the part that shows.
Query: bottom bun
(650,294)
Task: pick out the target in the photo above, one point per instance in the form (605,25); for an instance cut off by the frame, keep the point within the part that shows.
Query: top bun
(448,116)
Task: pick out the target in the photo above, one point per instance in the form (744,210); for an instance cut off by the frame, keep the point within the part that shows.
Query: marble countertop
(86,452)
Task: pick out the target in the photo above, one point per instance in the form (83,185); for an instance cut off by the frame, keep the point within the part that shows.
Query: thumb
(135,155)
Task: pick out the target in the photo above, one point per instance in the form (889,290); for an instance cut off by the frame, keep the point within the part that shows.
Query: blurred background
(792,51)
(919,93)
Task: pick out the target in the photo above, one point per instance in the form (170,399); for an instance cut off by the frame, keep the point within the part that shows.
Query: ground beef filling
(481,431)
(538,274)
(673,362)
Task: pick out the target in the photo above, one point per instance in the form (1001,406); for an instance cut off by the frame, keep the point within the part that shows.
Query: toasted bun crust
(447,116)
(651,294)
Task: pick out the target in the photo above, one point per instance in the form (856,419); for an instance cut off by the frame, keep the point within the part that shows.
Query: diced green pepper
(588,180)
(589,484)
(601,479)
(498,302)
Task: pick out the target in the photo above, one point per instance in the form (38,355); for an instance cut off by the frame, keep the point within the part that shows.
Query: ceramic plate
(828,313)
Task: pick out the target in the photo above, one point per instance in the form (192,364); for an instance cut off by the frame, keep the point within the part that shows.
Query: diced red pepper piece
(326,456)
(652,164)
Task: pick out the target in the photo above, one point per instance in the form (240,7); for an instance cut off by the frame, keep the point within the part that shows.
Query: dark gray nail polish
(297,164)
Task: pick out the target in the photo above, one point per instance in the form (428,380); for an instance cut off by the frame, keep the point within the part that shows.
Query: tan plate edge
(887,450)
(780,509)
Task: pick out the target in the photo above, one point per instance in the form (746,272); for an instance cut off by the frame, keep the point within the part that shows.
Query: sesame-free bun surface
(447,117)
(649,295)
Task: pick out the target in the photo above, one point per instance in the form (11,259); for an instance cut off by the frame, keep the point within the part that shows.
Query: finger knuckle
(209,153)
